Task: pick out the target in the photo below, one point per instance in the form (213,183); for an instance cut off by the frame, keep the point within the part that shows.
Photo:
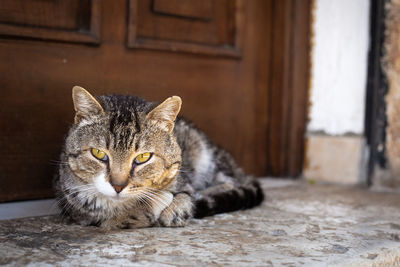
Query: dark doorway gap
(377,87)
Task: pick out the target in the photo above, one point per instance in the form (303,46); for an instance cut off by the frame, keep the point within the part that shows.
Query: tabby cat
(129,163)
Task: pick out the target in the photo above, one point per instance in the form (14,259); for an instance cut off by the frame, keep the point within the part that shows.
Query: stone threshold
(32,208)
(298,224)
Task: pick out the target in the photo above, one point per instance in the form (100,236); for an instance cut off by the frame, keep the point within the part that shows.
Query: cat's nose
(118,187)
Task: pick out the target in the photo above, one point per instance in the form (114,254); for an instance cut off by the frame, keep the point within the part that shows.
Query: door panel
(214,54)
(72,21)
(201,27)
(186,8)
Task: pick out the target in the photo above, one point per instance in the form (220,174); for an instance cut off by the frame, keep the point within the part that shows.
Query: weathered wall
(335,143)
(391,64)
(340,51)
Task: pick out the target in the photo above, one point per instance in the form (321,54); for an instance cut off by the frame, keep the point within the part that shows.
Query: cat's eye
(99,154)
(142,158)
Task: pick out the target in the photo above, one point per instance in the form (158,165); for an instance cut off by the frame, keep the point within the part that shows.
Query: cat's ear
(85,104)
(165,113)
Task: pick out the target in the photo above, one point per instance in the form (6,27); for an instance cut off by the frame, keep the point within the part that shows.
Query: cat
(129,163)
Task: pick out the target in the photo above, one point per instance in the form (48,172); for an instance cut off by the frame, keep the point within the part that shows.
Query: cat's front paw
(173,218)
(178,213)
(139,220)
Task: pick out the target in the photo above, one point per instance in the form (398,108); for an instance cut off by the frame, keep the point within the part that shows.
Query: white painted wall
(339,71)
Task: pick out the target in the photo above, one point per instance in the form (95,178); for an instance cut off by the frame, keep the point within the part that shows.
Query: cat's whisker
(143,197)
(77,191)
(154,201)
(162,200)
(157,201)
(157,192)
(135,192)
(144,200)
(77,187)
(85,192)
(160,197)
(58,162)
(66,205)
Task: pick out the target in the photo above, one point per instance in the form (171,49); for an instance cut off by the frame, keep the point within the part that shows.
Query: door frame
(289,86)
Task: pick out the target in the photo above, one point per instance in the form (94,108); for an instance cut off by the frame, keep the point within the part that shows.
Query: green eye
(142,158)
(99,154)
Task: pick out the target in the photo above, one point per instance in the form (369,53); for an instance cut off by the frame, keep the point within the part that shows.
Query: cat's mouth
(105,188)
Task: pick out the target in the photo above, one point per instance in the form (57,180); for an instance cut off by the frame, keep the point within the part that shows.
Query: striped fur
(187,175)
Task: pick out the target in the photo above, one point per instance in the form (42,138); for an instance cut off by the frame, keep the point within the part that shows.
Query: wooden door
(216,54)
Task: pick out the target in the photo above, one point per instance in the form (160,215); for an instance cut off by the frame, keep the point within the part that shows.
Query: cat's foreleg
(143,214)
(178,212)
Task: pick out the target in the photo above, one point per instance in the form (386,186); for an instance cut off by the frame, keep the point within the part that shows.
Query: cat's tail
(245,196)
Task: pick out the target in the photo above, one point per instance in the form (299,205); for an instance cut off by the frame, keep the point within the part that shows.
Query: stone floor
(298,224)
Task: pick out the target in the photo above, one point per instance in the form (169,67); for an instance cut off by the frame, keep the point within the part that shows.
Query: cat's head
(120,145)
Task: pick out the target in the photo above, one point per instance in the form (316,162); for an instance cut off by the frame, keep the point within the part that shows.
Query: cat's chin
(116,197)
(121,197)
